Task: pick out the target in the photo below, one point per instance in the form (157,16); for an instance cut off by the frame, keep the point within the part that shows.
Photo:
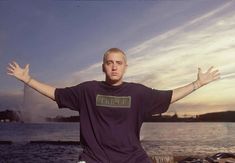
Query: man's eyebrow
(110,60)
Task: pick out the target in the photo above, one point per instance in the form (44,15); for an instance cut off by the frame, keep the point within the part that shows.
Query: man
(112,111)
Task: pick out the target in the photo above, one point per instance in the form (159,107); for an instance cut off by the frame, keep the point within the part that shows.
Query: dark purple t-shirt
(111,118)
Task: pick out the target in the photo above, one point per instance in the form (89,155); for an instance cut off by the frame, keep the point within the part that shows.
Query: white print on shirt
(113,101)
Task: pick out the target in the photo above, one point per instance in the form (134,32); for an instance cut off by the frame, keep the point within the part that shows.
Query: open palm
(207,77)
(20,73)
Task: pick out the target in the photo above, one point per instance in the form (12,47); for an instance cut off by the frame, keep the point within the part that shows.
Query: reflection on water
(178,139)
(21,151)
(188,138)
(37,153)
(185,131)
(23,132)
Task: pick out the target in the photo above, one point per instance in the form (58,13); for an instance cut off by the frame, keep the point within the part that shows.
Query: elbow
(173,100)
(174,97)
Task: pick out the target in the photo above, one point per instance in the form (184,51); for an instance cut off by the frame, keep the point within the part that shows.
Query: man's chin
(115,80)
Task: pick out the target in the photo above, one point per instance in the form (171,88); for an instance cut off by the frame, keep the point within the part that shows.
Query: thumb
(27,66)
(199,70)
(27,69)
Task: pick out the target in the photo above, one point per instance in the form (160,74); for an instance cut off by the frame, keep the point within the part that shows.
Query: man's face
(114,67)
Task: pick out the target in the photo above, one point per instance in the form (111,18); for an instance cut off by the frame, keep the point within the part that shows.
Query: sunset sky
(165,42)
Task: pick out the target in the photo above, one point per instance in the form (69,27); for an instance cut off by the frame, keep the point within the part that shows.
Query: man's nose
(114,67)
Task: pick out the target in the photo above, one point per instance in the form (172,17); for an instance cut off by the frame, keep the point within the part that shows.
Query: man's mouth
(114,74)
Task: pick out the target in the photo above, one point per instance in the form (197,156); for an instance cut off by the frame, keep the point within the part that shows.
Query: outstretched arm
(202,79)
(22,74)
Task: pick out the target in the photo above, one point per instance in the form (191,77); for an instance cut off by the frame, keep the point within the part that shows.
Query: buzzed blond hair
(113,50)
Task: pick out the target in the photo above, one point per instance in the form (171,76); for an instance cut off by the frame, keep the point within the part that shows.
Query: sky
(165,42)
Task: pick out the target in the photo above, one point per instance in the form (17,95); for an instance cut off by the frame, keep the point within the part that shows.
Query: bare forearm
(22,74)
(42,88)
(181,92)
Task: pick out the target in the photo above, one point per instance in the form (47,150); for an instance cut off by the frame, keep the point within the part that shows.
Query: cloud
(92,72)
(171,59)
(228,76)
(198,108)
(166,61)
(33,106)
(10,101)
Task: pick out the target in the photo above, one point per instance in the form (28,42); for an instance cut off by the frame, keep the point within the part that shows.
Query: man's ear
(103,68)
(126,68)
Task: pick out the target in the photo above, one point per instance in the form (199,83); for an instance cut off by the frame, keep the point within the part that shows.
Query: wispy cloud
(198,108)
(171,59)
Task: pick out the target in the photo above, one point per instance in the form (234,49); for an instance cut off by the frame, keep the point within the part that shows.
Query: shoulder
(84,85)
(136,86)
(88,83)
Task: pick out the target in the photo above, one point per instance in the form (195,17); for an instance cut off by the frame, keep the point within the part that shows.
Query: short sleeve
(68,97)
(156,101)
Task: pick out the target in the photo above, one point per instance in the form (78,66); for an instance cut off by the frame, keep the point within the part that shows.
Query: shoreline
(172,158)
(218,157)
(166,157)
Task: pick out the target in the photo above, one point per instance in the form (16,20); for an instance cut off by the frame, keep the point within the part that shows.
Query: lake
(178,139)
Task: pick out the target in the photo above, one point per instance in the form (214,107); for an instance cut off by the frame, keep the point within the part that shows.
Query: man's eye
(108,63)
(120,63)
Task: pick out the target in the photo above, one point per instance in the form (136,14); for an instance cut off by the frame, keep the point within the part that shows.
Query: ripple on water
(28,153)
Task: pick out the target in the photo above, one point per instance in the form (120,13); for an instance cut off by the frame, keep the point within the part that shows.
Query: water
(39,153)
(178,139)
(21,151)
(181,139)
(24,132)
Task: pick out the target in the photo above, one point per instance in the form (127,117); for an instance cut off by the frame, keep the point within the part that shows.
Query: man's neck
(114,83)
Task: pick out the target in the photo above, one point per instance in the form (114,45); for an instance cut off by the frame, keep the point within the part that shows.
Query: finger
(27,66)
(10,74)
(16,64)
(11,66)
(216,75)
(209,70)
(216,78)
(215,72)
(10,69)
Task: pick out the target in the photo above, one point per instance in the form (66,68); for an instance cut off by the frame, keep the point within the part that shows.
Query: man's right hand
(20,73)
(23,74)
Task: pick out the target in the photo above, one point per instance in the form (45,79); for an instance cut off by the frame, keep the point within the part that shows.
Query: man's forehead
(115,54)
